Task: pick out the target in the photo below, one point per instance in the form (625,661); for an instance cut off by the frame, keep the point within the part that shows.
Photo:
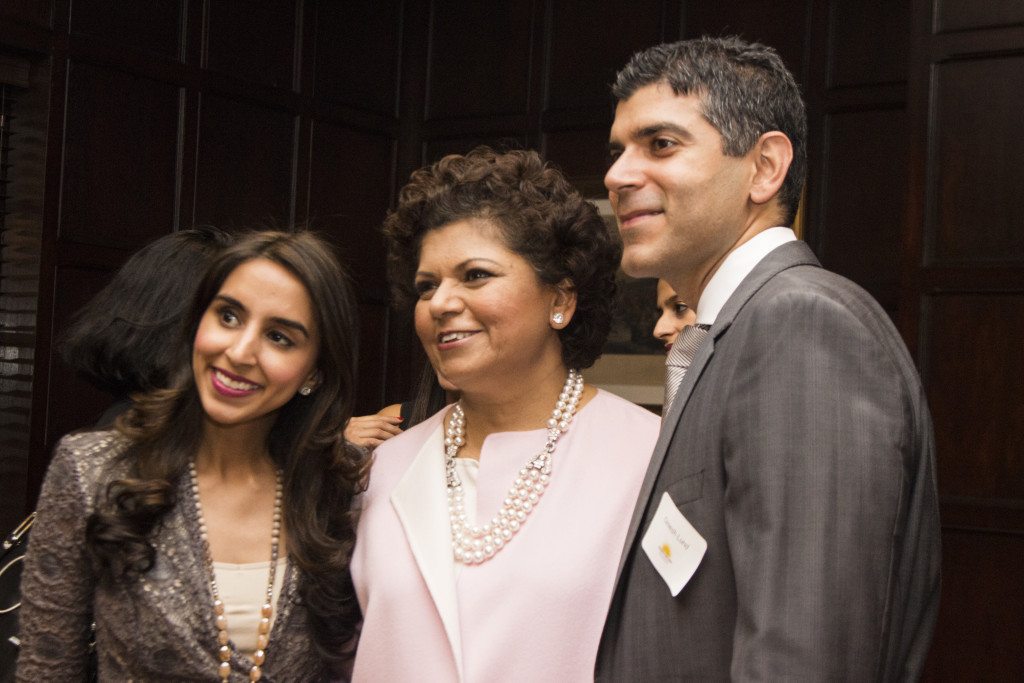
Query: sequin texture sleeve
(57,583)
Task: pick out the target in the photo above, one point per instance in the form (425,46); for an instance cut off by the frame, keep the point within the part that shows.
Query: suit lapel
(779,259)
(421,503)
(669,423)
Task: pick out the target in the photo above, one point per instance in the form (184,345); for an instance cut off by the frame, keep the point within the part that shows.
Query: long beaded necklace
(479,543)
(220,619)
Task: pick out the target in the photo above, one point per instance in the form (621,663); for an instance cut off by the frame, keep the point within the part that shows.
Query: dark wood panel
(864,181)
(957,15)
(433,150)
(30,11)
(582,155)
(607,33)
(244,165)
(981,611)
(349,194)
(357,50)
(1004,39)
(861,97)
(964,308)
(479,58)
(988,278)
(868,42)
(373,352)
(147,25)
(74,402)
(253,40)
(982,514)
(973,363)
(472,127)
(120,155)
(779,24)
(975,170)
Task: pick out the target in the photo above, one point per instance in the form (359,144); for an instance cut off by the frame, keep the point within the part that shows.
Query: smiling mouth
(448,337)
(633,216)
(234,383)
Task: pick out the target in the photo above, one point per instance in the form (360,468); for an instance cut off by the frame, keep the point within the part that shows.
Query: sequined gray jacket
(157,627)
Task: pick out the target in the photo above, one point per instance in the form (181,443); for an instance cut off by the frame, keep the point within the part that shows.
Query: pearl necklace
(476,544)
(220,619)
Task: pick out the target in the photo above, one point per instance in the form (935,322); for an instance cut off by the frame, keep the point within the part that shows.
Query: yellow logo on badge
(666,551)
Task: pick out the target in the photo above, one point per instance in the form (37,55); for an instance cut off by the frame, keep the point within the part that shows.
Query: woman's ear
(311,383)
(563,306)
(773,154)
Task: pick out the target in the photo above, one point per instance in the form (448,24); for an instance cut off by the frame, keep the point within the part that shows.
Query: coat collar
(420,500)
(781,258)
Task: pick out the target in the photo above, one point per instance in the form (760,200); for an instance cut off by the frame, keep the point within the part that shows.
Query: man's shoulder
(804,284)
(790,276)
(807,304)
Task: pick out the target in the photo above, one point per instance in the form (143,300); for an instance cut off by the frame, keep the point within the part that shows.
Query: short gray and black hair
(745,90)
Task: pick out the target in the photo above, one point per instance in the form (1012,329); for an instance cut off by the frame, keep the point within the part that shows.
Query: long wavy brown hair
(322,472)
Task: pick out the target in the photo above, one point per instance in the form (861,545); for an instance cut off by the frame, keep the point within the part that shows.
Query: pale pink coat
(536,610)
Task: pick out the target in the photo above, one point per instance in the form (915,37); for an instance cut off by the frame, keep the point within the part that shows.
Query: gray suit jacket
(800,447)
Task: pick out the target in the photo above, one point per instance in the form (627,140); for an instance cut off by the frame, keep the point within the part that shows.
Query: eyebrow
(277,320)
(461,265)
(650,130)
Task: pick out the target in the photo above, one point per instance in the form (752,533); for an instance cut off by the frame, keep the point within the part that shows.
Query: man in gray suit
(788,525)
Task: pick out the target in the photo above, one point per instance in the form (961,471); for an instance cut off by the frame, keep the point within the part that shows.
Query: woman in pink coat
(491,533)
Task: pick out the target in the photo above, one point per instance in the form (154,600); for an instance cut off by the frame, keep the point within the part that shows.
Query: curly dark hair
(539,216)
(322,472)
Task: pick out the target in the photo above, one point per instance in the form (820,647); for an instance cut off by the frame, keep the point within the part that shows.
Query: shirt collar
(736,266)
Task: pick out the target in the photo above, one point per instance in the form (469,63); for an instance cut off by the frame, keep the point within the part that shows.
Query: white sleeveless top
(243,588)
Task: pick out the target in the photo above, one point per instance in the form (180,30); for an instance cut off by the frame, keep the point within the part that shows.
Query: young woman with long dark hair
(209,536)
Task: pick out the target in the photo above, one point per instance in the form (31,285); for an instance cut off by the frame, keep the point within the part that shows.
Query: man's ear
(772,155)
(564,304)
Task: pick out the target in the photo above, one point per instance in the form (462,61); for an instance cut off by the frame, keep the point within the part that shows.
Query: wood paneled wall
(165,113)
(963,305)
(169,113)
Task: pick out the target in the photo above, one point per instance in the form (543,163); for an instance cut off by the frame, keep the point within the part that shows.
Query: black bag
(12,556)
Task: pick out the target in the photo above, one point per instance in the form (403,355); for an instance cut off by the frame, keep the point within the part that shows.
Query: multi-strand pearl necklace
(479,543)
(220,619)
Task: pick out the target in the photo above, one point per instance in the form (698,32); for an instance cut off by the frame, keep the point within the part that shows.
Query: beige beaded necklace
(220,619)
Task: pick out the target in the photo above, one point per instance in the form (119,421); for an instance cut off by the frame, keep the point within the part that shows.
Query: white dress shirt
(735,268)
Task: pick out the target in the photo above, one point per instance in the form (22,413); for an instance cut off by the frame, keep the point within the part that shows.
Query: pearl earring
(306,391)
(558,318)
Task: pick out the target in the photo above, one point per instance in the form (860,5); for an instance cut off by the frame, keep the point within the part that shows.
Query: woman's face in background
(674,315)
(483,315)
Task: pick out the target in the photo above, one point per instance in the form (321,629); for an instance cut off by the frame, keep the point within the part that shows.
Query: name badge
(673,546)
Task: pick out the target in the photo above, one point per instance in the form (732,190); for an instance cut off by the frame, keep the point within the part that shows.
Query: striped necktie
(679,358)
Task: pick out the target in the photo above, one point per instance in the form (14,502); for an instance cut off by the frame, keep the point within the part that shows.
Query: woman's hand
(370,431)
